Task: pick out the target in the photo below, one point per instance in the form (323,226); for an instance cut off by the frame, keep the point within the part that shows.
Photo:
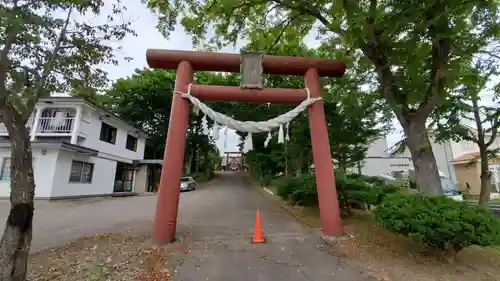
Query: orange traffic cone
(258,236)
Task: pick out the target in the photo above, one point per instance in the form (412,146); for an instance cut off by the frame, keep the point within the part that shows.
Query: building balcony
(47,126)
(54,122)
(53,126)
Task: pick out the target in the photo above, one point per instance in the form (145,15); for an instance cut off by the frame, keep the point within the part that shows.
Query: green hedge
(352,191)
(438,222)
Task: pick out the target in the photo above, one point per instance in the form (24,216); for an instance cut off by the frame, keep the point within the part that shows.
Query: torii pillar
(186,62)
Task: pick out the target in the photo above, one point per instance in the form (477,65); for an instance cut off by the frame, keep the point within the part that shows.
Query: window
(5,172)
(108,133)
(131,143)
(81,172)
(495,177)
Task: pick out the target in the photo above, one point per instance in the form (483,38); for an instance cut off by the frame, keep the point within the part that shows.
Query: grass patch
(396,257)
(388,256)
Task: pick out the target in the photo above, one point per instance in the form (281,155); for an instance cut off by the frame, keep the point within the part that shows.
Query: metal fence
(495,206)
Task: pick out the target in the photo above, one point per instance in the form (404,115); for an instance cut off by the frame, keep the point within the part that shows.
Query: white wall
(386,165)
(141,179)
(103,176)
(444,152)
(378,148)
(44,164)
(114,150)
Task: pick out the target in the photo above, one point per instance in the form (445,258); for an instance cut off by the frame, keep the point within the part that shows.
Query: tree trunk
(298,165)
(196,161)
(206,169)
(424,162)
(189,163)
(16,239)
(342,166)
(484,196)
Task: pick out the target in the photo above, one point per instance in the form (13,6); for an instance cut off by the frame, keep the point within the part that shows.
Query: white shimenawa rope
(249,126)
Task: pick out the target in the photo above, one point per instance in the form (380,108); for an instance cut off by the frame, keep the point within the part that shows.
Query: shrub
(265,180)
(439,222)
(299,190)
(351,191)
(305,193)
(367,179)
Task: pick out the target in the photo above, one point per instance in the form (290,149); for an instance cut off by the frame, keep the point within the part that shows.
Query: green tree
(354,119)
(464,105)
(413,47)
(43,49)
(144,100)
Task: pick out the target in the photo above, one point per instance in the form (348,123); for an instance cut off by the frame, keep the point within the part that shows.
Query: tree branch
(311,11)
(10,38)
(286,24)
(376,51)
(494,129)
(440,58)
(39,89)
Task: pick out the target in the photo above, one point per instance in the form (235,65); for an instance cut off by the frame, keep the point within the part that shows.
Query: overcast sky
(148,37)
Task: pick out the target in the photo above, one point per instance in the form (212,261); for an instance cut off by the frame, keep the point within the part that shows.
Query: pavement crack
(305,275)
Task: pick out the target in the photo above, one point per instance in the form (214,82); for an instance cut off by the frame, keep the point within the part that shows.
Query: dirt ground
(219,249)
(214,233)
(390,257)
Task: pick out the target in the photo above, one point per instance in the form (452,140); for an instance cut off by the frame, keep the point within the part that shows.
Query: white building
(455,159)
(446,152)
(79,150)
(379,161)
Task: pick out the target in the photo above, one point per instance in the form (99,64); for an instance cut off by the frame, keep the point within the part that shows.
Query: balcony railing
(55,126)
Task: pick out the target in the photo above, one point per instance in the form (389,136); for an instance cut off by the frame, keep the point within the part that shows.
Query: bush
(351,191)
(299,190)
(439,222)
(265,180)
(368,179)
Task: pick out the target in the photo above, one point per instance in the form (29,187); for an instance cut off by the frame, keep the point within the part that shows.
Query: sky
(144,22)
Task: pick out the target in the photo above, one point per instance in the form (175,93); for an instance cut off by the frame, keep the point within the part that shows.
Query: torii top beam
(225,62)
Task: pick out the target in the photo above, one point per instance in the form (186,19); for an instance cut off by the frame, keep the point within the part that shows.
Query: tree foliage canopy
(413,50)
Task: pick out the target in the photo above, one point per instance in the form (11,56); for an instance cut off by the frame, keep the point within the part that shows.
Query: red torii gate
(229,155)
(186,62)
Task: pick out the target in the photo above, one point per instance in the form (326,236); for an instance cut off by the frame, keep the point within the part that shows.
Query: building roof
(95,107)
(466,157)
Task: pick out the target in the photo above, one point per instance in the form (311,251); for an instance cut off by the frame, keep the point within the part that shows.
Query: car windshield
(184,179)
(447,184)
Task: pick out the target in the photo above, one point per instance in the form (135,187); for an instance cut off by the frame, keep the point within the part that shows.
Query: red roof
(466,157)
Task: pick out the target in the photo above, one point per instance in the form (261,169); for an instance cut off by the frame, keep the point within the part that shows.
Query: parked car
(450,189)
(188,184)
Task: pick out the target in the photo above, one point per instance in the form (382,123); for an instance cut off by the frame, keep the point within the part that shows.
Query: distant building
(379,161)
(460,161)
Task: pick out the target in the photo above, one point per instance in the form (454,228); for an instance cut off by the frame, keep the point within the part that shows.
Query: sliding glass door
(124,178)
